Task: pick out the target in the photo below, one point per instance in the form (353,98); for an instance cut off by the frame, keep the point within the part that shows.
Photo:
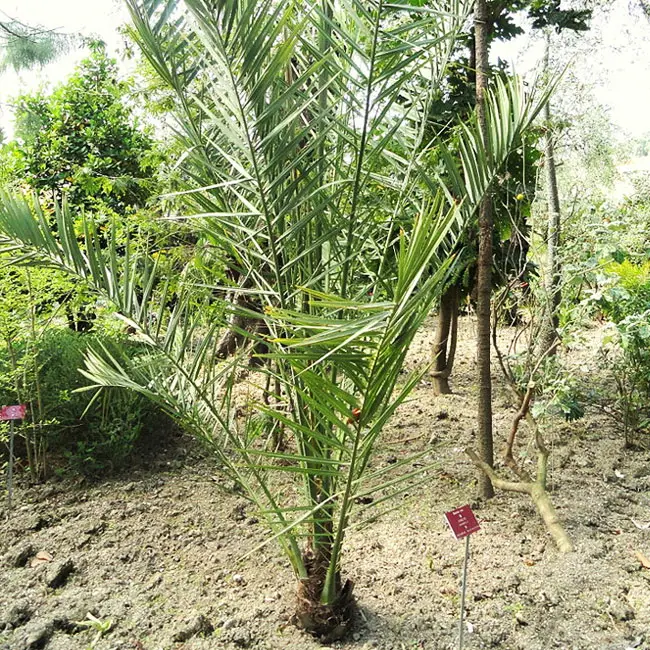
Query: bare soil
(156,553)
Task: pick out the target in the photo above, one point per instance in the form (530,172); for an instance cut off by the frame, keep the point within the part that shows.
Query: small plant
(101,628)
(626,353)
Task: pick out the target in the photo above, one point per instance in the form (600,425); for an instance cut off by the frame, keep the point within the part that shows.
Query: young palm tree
(295,116)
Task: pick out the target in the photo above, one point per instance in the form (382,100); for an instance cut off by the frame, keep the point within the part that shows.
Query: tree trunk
(331,622)
(547,511)
(444,347)
(484,281)
(553,290)
(243,328)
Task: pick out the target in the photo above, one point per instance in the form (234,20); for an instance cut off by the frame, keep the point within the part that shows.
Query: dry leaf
(41,557)
(645,562)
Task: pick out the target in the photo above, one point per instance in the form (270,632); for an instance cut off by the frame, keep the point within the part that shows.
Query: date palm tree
(304,167)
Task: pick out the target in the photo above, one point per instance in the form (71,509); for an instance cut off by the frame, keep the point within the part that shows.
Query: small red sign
(16,412)
(462,522)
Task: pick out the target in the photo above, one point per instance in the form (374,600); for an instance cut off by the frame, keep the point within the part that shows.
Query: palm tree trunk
(484,282)
(329,622)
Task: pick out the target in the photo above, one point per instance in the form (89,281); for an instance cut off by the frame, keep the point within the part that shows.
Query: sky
(87,17)
(625,83)
(614,58)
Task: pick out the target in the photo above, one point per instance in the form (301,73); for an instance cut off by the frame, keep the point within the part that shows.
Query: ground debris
(620,610)
(58,573)
(36,635)
(18,558)
(198,626)
(18,615)
(239,636)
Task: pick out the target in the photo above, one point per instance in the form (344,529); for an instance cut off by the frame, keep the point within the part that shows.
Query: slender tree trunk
(484,282)
(444,347)
(553,289)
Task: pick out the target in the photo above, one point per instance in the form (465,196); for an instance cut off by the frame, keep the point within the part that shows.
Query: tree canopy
(84,140)
(25,46)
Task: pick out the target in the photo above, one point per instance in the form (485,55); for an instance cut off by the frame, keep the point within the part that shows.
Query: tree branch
(497,481)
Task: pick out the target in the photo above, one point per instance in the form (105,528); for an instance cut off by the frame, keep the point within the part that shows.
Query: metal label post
(12,413)
(462,523)
(461,627)
(10,466)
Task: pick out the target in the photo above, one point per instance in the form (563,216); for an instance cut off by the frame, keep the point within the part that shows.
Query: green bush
(625,290)
(624,299)
(91,436)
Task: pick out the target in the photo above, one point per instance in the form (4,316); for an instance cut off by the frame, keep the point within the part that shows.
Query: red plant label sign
(462,522)
(16,412)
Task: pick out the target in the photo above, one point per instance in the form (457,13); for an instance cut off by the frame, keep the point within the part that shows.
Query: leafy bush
(597,235)
(626,353)
(624,299)
(94,436)
(625,290)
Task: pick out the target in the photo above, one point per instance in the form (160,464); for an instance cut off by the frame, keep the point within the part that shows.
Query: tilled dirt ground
(154,556)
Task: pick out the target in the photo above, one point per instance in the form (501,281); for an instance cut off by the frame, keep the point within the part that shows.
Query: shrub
(624,298)
(93,435)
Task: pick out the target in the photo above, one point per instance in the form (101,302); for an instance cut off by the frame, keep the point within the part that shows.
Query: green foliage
(626,355)
(605,257)
(624,298)
(641,183)
(62,423)
(625,290)
(637,146)
(512,191)
(26,46)
(83,141)
(557,392)
(597,234)
(585,140)
(548,13)
(39,360)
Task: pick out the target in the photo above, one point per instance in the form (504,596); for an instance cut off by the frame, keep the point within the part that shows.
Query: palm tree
(294,116)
